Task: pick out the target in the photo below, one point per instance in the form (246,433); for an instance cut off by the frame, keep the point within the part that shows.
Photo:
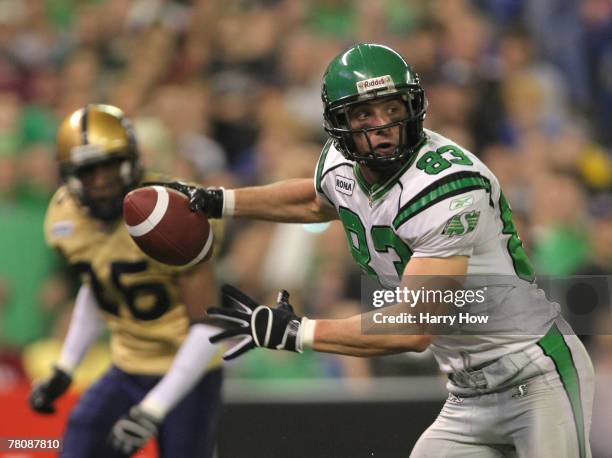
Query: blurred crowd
(228,93)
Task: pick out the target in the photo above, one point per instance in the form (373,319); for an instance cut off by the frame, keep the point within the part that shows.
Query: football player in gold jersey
(166,377)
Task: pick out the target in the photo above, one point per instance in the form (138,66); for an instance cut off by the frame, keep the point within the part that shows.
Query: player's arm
(198,291)
(346,336)
(288,201)
(281,329)
(86,325)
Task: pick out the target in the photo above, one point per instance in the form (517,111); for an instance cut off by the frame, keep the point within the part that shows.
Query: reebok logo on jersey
(460,202)
(345,185)
(373,84)
(461,224)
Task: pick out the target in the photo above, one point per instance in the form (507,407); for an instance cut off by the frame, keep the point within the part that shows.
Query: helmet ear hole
(125,172)
(348,141)
(75,186)
(340,118)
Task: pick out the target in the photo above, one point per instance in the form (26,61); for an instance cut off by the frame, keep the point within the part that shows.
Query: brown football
(162,225)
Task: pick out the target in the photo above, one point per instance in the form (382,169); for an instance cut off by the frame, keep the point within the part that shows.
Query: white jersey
(444,202)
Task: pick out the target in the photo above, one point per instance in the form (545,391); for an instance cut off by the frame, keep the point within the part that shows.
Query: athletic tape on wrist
(229,202)
(307,333)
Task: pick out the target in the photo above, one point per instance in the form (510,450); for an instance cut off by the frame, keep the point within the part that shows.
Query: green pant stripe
(554,346)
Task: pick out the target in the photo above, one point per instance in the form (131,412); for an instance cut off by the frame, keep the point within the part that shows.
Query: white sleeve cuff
(307,333)
(229,203)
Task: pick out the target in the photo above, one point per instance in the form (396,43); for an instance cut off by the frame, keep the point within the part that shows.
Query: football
(160,222)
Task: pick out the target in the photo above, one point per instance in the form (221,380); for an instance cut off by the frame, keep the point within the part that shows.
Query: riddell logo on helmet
(82,153)
(372,84)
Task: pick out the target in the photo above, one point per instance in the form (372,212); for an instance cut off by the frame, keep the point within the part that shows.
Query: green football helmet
(368,72)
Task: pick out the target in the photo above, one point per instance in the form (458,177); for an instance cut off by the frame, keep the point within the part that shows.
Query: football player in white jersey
(415,204)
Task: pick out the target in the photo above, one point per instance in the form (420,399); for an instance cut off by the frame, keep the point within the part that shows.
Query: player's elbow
(422,343)
(415,343)
(322,211)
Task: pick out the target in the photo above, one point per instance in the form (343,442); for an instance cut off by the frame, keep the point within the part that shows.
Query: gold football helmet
(93,136)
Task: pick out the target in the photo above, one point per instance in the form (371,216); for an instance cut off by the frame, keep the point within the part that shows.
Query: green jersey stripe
(522,265)
(554,346)
(337,166)
(321,165)
(451,185)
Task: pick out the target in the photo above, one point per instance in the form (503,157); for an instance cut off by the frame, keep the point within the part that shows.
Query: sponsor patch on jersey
(345,185)
(375,84)
(62,229)
(461,224)
(461,202)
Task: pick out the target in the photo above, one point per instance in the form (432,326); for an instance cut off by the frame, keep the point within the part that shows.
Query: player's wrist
(61,373)
(66,366)
(228,202)
(306,334)
(153,409)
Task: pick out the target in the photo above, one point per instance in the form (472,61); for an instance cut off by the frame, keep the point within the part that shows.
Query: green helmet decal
(364,68)
(367,72)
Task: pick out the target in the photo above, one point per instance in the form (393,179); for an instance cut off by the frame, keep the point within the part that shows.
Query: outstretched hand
(205,200)
(277,328)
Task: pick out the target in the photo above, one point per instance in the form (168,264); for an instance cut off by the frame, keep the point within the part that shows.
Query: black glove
(46,392)
(206,200)
(277,328)
(133,431)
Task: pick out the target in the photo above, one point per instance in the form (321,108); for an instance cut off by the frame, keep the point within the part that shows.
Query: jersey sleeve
(323,193)
(450,227)
(59,219)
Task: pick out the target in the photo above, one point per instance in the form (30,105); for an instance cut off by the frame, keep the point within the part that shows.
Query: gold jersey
(138,296)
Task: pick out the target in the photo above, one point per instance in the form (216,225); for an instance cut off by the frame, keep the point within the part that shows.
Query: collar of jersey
(376,190)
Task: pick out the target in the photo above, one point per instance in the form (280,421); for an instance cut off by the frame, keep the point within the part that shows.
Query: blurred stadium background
(228,93)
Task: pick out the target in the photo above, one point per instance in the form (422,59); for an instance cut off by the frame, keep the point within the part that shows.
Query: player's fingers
(168,184)
(227,334)
(45,409)
(245,345)
(196,204)
(237,298)
(40,404)
(228,311)
(283,297)
(123,441)
(229,315)
(286,307)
